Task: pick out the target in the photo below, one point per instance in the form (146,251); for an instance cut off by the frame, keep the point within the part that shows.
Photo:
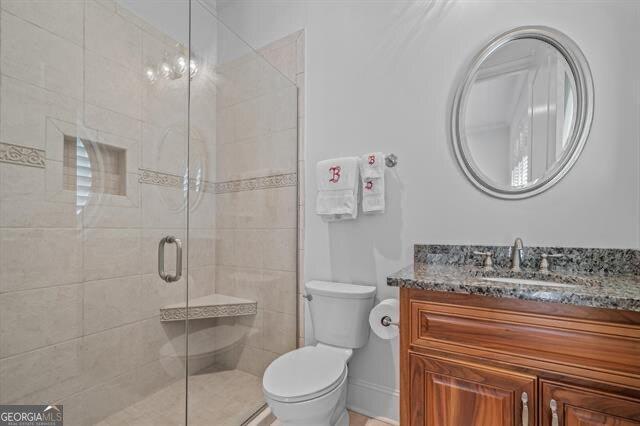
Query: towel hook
(391,160)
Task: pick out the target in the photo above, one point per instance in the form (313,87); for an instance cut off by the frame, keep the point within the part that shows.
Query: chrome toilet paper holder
(387,321)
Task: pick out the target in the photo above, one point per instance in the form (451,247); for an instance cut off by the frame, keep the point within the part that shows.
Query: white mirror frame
(584,111)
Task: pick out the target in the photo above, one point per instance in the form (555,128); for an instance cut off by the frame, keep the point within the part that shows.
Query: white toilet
(308,386)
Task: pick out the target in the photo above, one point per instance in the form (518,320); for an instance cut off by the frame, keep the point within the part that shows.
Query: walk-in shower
(132,131)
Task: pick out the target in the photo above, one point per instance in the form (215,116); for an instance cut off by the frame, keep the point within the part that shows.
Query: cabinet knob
(525,409)
(554,412)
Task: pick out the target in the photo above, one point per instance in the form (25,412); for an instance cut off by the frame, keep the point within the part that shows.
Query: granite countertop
(619,289)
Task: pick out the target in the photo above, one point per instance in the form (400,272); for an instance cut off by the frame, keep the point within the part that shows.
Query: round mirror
(523,112)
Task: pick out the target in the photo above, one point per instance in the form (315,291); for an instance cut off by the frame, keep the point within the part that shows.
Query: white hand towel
(372,173)
(338,186)
(372,165)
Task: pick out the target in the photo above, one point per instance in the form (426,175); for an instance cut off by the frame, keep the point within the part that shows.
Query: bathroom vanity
(485,345)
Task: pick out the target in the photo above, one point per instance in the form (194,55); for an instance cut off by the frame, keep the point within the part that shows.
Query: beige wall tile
(226,210)
(279,250)
(46,374)
(201,281)
(110,353)
(24,109)
(39,57)
(164,149)
(281,210)
(165,103)
(111,253)
(102,215)
(112,122)
(22,211)
(63,17)
(247,284)
(21,181)
(202,210)
(276,153)
(112,86)
(163,207)
(110,35)
(283,57)
(36,318)
(254,329)
(225,247)
(249,248)
(250,209)
(278,291)
(225,126)
(282,109)
(279,332)
(201,247)
(118,301)
(32,257)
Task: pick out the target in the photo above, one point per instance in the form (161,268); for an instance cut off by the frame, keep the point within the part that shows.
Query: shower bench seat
(211,306)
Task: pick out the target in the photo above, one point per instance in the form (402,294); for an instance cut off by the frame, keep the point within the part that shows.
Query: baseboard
(373,400)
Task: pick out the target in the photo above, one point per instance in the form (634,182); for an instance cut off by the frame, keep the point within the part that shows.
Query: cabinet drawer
(539,341)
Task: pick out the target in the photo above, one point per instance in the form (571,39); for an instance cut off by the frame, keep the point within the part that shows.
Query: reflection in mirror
(520,113)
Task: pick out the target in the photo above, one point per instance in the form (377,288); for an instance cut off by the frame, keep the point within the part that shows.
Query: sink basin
(529,282)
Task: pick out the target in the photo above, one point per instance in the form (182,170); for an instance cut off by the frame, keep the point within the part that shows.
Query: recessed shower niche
(93,167)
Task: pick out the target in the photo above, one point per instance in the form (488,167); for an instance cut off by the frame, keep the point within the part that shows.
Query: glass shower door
(243,165)
(93,176)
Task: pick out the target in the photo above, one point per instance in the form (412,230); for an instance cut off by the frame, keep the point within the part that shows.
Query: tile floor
(356,419)
(216,397)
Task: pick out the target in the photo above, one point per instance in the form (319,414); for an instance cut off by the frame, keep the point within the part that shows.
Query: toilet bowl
(308,386)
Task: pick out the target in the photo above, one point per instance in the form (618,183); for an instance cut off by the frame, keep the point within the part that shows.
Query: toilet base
(343,420)
(327,410)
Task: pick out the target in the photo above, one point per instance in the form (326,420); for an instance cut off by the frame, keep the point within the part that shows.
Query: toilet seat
(304,374)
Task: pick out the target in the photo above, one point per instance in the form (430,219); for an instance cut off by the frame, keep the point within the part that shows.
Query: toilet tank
(340,312)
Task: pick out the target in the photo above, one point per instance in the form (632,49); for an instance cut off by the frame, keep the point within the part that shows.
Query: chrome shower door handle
(168,277)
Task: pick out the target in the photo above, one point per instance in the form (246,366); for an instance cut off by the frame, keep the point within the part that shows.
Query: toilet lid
(303,374)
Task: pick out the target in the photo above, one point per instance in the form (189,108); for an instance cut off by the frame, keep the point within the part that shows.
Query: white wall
(380,76)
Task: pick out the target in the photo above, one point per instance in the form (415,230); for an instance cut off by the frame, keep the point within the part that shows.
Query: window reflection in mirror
(520,113)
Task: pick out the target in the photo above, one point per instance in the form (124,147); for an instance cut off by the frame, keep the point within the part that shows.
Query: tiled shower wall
(79,292)
(256,218)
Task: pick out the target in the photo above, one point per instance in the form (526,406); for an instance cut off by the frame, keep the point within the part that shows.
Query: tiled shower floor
(216,397)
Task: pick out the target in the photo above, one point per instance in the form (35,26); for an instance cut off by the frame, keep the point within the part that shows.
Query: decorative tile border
(152,177)
(22,155)
(275,181)
(214,311)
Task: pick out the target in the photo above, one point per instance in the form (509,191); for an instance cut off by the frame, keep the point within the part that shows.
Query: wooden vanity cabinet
(480,361)
(453,394)
(584,407)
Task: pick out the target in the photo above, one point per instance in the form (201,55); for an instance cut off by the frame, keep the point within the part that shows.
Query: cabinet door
(451,393)
(565,405)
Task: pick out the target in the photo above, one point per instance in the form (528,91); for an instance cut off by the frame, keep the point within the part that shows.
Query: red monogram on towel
(335,174)
(369,185)
(372,160)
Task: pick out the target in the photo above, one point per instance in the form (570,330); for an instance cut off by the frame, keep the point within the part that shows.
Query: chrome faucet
(516,254)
